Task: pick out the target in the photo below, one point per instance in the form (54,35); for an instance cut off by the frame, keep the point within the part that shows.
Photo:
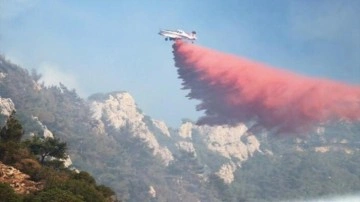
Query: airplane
(177,35)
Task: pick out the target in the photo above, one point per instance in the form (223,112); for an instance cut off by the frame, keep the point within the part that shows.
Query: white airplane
(177,34)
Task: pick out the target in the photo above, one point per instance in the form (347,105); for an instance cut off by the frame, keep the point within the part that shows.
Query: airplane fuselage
(177,34)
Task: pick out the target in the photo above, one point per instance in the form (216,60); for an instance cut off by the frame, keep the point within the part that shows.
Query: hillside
(34,169)
(144,160)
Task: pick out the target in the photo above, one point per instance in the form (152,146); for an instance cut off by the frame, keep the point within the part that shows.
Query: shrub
(7,194)
(55,195)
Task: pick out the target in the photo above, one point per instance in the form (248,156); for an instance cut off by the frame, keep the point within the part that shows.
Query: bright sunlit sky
(105,46)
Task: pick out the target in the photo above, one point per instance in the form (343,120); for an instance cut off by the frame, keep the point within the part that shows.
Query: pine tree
(12,131)
(52,147)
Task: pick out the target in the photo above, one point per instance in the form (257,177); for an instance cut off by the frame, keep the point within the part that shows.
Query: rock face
(152,192)
(226,172)
(231,145)
(227,141)
(18,181)
(6,106)
(46,132)
(119,111)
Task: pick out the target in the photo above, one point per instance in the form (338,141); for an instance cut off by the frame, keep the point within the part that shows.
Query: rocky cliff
(231,145)
(6,106)
(119,111)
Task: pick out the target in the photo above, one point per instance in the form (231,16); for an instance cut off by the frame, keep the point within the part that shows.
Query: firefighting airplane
(177,34)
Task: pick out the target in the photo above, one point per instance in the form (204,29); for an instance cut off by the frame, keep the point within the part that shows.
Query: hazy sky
(105,46)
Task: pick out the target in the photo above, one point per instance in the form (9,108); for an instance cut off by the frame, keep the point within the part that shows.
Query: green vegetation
(7,194)
(60,183)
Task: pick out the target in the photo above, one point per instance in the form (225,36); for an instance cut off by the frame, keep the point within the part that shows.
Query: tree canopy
(12,131)
(48,147)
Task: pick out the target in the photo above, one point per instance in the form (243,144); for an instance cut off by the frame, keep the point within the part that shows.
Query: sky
(105,46)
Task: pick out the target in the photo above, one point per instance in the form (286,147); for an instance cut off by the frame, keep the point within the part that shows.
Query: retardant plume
(233,89)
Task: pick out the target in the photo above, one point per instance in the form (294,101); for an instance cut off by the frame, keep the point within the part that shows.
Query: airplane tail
(193,34)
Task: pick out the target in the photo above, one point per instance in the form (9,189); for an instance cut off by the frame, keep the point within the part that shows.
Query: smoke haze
(233,89)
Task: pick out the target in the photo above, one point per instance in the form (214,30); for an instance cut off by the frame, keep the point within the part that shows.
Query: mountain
(142,159)
(191,153)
